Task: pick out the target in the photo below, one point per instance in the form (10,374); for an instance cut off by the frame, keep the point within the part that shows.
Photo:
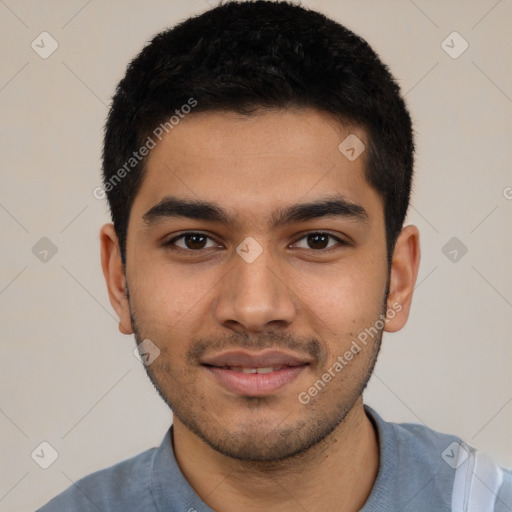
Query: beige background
(70,378)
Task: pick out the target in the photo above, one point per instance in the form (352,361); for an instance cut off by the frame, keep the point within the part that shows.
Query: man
(258,164)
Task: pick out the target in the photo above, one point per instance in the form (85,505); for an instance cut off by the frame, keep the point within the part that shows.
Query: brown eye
(196,241)
(192,241)
(319,241)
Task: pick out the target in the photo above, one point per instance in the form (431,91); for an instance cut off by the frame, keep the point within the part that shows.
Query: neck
(336,474)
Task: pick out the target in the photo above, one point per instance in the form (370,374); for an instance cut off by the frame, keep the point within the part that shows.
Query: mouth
(241,369)
(255,374)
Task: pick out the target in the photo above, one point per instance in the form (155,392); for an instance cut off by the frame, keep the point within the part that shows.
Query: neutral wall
(68,377)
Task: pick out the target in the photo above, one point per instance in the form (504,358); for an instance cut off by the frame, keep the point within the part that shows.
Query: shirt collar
(169,487)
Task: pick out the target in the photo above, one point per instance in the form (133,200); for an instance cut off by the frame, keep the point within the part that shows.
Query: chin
(264,440)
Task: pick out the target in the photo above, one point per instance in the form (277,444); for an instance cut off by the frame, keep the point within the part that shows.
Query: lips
(255,374)
(242,369)
(263,359)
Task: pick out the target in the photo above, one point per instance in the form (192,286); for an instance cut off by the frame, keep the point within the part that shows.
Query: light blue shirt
(420,471)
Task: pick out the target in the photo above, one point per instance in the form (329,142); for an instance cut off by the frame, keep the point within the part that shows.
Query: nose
(255,296)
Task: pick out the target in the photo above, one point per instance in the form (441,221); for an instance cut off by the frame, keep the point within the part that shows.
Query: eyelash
(170,244)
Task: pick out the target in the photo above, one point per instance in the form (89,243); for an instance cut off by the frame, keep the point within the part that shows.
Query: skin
(273,452)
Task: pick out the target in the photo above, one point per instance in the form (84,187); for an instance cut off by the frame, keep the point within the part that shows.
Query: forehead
(257,162)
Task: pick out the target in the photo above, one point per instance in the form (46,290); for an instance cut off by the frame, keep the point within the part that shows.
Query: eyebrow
(174,207)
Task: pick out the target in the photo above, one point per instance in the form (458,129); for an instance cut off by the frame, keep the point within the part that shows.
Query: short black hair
(252,55)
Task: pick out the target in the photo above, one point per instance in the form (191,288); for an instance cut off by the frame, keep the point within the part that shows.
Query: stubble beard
(252,441)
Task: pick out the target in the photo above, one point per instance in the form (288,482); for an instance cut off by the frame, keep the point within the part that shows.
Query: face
(256,256)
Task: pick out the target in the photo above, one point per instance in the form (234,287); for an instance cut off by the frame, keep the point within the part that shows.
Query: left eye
(319,241)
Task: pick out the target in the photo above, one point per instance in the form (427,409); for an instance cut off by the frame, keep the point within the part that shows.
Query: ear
(113,270)
(404,271)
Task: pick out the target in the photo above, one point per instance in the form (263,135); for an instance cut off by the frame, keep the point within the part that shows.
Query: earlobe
(404,271)
(113,271)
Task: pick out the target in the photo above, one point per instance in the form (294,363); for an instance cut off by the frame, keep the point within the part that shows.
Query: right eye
(192,242)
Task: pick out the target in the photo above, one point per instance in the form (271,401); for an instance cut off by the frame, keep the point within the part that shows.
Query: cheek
(345,298)
(162,299)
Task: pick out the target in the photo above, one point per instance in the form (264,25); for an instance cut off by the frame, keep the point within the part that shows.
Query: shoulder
(459,475)
(123,486)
